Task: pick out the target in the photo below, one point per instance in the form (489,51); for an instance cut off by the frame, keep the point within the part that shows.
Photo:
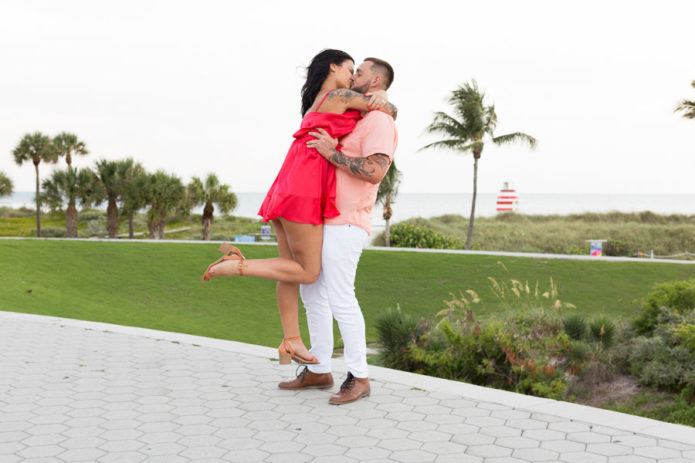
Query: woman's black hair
(317,72)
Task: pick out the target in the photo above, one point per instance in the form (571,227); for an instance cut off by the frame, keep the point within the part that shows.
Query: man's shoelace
(348,383)
(303,372)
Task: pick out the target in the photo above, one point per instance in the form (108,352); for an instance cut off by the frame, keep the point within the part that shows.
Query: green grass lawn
(157,285)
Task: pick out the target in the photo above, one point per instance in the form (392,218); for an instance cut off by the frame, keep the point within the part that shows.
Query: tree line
(124,185)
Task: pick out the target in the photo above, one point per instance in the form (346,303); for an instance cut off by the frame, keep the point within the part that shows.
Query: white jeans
(333,295)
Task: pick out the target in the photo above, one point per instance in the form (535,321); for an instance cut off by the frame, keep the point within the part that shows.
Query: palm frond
(514,137)
(687,108)
(452,144)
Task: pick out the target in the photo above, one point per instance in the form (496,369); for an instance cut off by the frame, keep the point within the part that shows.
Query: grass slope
(157,285)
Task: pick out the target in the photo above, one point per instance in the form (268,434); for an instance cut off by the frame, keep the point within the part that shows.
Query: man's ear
(376,81)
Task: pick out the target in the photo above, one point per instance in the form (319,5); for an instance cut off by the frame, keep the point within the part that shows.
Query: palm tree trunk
(38,201)
(388,212)
(131,233)
(160,229)
(112,218)
(469,238)
(207,220)
(71,220)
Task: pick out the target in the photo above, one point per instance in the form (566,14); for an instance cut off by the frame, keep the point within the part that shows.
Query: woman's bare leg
(288,298)
(301,265)
(299,247)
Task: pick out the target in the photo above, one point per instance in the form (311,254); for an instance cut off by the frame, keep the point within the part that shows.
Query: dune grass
(627,233)
(157,285)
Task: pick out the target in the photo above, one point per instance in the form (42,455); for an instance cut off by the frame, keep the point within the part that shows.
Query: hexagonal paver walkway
(74,391)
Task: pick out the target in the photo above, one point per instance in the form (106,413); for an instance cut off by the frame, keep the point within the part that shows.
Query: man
(361,163)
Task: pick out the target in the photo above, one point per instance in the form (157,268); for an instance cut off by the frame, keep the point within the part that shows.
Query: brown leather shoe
(308,380)
(351,390)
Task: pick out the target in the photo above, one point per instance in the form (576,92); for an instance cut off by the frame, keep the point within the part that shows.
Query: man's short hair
(384,69)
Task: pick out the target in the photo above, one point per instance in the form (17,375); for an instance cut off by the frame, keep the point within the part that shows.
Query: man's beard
(361,89)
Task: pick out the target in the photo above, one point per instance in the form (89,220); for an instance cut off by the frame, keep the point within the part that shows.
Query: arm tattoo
(364,168)
(346,95)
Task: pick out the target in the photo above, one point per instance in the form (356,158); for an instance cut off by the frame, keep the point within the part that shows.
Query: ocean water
(426,205)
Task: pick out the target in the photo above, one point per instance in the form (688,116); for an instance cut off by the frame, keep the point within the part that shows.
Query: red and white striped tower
(508,199)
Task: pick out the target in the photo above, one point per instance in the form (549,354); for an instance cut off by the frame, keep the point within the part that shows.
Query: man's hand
(324,143)
(370,169)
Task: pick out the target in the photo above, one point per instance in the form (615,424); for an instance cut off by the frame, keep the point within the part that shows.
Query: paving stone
(582,457)
(609,450)
(473,439)
(543,434)
(400,444)
(453,458)
(630,459)
(517,442)
(563,446)
(439,448)
(88,454)
(535,455)
(489,451)
(657,452)
(412,456)
(500,431)
(635,441)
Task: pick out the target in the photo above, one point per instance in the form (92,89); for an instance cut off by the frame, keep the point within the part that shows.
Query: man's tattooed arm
(370,169)
(355,100)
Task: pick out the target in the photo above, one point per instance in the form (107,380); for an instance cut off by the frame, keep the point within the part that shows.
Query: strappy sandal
(230,253)
(287,354)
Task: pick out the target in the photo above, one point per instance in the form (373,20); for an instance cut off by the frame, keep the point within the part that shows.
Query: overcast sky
(213,86)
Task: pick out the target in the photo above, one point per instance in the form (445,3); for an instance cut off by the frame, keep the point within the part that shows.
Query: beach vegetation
(627,234)
(386,196)
(36,148)
(542,346)
(208,194)
(69,186)
(687,107)
(68,145)
(164,193)
(6,185)
(473,125)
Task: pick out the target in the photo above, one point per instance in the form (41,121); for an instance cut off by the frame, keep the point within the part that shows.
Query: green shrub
(575,326)
(577,355)
(522,352)
(396,331)
(617,248)
(86,216)
(678,296)
(405,235)
(52,232)
(602,330)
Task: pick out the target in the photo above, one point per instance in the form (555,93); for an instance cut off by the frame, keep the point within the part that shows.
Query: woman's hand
(378,99)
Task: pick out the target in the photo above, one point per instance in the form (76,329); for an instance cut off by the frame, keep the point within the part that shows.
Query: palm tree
(133,198)
(70,185)
(36,147)
(6,186)
(68,145)
(388,189)
(687,107)
(208,194)
(164,193)
(472,126)
(112,176)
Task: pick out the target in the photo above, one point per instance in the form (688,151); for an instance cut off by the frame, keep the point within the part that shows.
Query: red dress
(304,189)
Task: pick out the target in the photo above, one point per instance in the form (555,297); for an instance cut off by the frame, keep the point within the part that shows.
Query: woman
(303,194)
